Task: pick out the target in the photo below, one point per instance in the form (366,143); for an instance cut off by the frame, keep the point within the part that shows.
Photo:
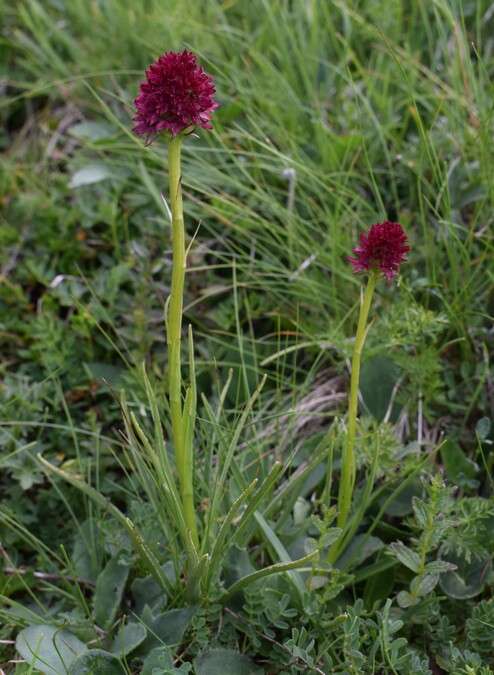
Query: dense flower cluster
(177,95)
(382,247)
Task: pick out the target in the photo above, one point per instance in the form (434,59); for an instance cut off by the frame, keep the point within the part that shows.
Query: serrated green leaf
(439,567)
(406,556)
(421,513)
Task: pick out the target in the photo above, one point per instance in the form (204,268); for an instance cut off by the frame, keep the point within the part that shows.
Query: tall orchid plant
(175,99)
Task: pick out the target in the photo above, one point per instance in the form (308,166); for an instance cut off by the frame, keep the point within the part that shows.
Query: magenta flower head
(383,247)
(177,96)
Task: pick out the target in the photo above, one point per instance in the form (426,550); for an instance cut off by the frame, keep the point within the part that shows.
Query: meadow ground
(332,116)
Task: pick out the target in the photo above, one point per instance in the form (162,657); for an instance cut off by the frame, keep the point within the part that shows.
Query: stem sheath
(348,470)
(174,336)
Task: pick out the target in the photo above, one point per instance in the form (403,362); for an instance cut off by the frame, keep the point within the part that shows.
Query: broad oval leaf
(48,648)
(378,378)
(128,637)
(406,599)
(427,584)
(483,428)
(92,173)
(91,131)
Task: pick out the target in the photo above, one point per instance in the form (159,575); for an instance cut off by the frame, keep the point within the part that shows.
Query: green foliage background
(333,115)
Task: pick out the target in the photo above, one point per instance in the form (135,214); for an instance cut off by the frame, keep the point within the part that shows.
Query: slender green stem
(348,470)
(174,335)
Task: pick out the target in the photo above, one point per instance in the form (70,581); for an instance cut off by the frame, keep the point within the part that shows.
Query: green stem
(174,335)
(348,470)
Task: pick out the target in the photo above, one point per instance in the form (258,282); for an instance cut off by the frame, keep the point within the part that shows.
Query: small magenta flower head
(383,247)
(176,96)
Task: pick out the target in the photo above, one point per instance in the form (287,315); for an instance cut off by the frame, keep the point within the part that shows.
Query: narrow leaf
(216,553)
(439,567)
(257,498)
(109,590)
(421,513)
(277,568)
(143,550)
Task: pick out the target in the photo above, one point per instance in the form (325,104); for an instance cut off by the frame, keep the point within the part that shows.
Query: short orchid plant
(382,249)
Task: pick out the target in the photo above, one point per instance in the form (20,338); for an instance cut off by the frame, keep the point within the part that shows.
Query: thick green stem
(174,335)
(348,470)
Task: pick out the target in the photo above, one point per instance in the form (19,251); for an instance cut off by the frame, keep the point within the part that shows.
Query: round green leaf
(483,428)
(96,662)
(469,578)
(158,660)
(225,661)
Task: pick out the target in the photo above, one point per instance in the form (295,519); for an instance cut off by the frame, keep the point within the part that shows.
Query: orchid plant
(382,250)
(175,99)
